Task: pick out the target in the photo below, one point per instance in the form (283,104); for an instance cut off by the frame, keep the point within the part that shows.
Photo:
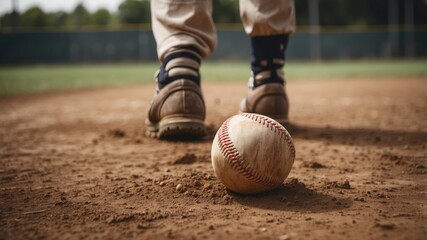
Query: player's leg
(269,24)
(185,35)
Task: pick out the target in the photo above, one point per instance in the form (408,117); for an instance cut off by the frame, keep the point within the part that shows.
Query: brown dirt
(77,165)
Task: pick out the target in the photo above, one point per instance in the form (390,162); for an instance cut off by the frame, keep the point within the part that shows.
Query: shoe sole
(177,128)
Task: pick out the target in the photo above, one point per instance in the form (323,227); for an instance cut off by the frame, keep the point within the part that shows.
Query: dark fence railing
(135,45)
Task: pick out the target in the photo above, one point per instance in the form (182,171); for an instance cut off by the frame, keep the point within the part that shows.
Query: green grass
(29,79)
(300,70)
(381,69)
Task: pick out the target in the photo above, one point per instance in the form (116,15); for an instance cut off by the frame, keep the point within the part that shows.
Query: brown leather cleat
(269,99)
(177,111)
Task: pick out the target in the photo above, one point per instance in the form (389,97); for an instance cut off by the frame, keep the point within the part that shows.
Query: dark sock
(182,63)
(268,59)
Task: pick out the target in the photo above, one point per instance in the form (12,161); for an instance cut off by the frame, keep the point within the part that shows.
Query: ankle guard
(183,63)
(268,59)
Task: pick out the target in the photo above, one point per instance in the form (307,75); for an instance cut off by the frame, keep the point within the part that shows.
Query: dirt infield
(77,165)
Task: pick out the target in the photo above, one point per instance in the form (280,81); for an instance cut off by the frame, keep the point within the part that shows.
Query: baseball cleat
(270,100)
(177,111)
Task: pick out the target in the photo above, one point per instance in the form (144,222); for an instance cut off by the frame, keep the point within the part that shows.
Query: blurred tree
(332,13)
(14,18)
(376,12)
(101,17)
(80,16)
(301,11)
(34,17)
(420,12)
(361,12)
(225,11)
(134,11)
(5,20)
(58,19)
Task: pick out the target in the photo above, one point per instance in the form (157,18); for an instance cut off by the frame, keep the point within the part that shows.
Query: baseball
(252,153)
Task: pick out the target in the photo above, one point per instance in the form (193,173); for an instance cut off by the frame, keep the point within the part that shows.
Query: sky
(56,5)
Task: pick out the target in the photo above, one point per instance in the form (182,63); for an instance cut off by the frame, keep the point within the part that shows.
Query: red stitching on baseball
(232,155)
(275,127)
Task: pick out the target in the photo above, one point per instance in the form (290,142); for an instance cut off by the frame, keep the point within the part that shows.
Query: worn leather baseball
(252,153)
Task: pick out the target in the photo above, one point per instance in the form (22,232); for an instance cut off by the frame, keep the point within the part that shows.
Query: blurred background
(46,31)
(367,38)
